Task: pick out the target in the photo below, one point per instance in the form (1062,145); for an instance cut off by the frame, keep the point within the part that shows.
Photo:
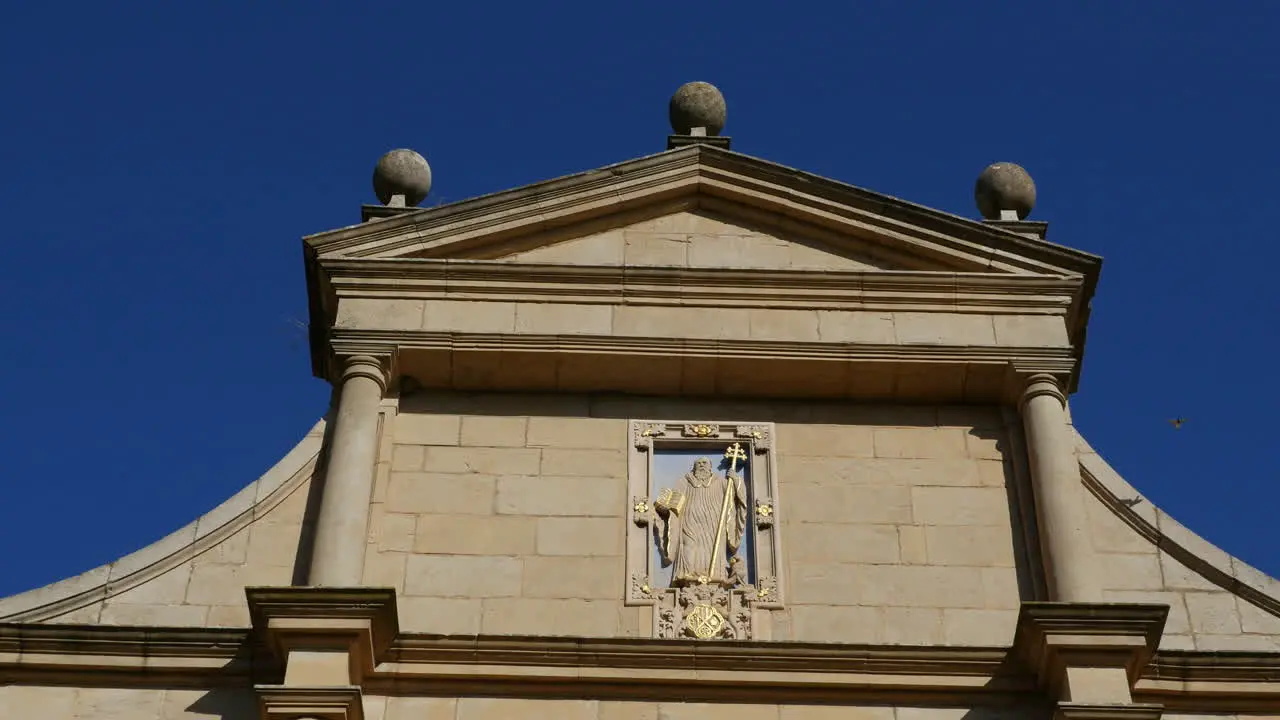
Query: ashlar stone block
(446,616)
(443,493)
(840,503)
(426,429)
(936,442)
(475,535)
(485,461)
(960,506)
(532,616)
(827,441)
(1213,613)
(587,463)
(971,545)
(473,576)
(493,431)
(579,536)
(561,496)
(842,543)
(577,433)
(471,708)
(572,577)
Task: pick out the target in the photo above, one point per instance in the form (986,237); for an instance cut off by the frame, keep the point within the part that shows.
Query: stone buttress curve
(1173,538)
(242,509)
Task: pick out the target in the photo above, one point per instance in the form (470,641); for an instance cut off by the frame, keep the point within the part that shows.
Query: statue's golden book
(671,500)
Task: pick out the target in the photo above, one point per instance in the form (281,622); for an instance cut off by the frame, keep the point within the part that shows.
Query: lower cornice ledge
(1101,711)
(277,702)
(362,621)
(1052,636)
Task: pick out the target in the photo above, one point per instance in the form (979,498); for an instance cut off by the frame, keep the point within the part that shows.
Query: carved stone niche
(703,545)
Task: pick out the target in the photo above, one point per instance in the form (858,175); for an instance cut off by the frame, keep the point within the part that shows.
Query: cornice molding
(618,668)
(1041,359)
(864,290)
(957,242)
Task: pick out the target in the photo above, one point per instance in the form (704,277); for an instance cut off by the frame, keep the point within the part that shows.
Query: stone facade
(460,537)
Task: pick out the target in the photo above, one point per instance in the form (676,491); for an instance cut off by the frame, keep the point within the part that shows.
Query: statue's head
(702,467)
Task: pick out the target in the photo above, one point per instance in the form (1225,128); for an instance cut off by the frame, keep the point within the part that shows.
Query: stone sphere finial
(697,104)
(1004,188)
(402,173)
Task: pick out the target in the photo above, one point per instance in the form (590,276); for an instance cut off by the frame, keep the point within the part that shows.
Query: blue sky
(163,162)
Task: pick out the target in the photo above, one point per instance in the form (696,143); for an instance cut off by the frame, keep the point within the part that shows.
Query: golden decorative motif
(701,430)
(704,621)
(764,510)
(646,589)
(641,507)
(763,593)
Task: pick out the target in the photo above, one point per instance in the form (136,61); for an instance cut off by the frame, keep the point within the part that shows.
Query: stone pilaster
(1070,568)
(337,558)
(1088,656)
(328,640)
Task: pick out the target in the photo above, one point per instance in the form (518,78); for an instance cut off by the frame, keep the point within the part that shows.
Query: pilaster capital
(1039,384)
(277,702)
(1054,636)
(367,366)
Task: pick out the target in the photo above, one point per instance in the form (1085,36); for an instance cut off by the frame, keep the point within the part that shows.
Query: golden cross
(733,455)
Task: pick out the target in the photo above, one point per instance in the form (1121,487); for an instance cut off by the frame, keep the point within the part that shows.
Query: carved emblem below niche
(704,612)
(702,545)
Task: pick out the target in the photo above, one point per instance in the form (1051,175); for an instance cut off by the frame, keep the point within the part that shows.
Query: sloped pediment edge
(1212,563)
(709,175)
(253,502)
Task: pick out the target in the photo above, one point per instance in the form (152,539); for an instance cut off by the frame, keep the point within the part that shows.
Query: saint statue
(701,525)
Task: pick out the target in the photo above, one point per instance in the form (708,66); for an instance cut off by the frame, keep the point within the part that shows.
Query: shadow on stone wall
(226,703)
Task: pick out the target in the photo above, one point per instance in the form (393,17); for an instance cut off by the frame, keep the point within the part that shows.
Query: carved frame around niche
(757,439)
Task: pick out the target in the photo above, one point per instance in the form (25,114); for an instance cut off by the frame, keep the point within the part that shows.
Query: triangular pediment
(701,207)
(693,238)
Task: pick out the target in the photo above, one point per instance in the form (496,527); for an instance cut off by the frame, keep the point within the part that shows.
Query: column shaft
(1055,474)
(337,558)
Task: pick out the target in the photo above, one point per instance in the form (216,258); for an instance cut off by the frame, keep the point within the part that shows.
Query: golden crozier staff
(733,455)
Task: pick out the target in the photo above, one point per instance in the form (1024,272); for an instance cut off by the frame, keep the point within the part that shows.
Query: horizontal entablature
(540,283)
(708,367)
(518,666)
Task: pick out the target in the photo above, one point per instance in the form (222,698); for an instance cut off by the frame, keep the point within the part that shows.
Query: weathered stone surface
(442,493)
(587,463)
(821,440)
(849,504)
(446,616)
(420,708)
(572,496)
(971,545)
(979,627)
(485,461)
(960,506)
(475,535)
(821,542)
(402,172)
(463,576)
(531,616)
(697,104)
(503,709)
(579,536)
(573,577)
(1004,186)
(490,431)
